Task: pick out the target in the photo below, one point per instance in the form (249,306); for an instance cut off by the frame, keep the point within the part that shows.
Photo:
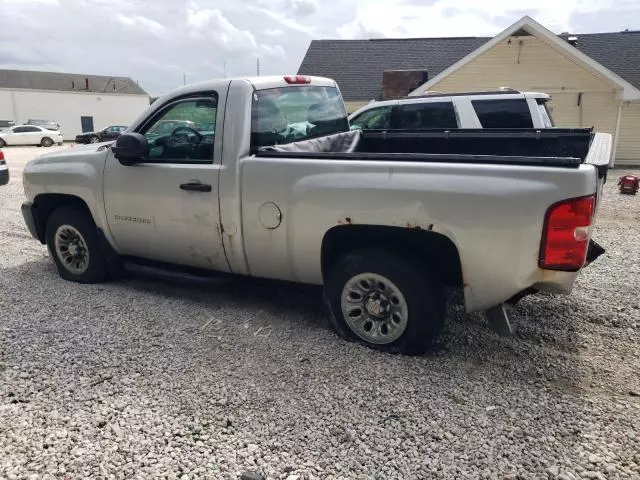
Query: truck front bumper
(30,214)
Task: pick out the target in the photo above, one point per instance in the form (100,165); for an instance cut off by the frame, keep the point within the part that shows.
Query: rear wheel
(46,142)
(73,243)
(2,143)
(93,139)
(384,301)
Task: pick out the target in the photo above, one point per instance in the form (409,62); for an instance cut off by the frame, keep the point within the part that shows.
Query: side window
(32,129)
(426,115)
(373,119)
(507,113)
(20,130)
(174,136)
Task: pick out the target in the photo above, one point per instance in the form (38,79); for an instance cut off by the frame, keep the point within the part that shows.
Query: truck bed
(564,148)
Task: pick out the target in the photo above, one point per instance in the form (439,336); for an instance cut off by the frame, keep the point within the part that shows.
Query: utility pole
(258,66)
(184,78)
(224,68)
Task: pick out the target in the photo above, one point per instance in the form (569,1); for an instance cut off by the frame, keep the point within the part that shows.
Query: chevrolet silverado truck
(279,187)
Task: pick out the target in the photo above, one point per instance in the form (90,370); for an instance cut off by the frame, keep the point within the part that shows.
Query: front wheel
(94,139)
(74,246)
(384,301)
(46,142)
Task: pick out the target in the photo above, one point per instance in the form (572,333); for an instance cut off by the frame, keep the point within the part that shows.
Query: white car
(30,135)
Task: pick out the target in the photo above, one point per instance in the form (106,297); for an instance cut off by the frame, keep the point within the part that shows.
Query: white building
(78,103)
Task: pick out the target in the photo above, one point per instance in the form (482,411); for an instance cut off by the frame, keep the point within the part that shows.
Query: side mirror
(130,148)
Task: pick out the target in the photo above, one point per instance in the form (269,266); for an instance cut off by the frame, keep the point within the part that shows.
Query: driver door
(165,207)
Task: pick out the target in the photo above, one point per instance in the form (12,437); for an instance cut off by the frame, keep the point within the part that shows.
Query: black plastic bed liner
(563,162)
(553,142)
(557,147)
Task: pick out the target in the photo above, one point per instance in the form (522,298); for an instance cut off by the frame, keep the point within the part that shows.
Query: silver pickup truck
(267,180)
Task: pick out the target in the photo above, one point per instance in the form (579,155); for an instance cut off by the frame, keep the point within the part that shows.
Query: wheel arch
(435,251)
(46,203)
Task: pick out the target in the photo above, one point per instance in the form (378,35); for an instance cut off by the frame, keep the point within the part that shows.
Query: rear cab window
(425,115)
(503,113)
(295,113)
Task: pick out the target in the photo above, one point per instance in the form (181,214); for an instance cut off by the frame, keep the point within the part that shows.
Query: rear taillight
(565,237)
(297,79)
(1,157)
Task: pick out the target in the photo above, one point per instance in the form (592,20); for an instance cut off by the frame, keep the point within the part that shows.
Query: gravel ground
(151,379)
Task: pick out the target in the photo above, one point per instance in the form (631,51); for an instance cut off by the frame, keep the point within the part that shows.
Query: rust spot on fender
(346,221)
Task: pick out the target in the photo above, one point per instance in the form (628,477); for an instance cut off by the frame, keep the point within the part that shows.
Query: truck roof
(259,83)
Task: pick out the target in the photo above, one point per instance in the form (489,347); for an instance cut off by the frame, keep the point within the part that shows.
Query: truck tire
(384,301)
(74,245)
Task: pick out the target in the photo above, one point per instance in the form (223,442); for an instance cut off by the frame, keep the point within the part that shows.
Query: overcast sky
(155,41)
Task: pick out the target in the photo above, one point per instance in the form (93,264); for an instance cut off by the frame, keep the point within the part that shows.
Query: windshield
(544,112)
(291,114)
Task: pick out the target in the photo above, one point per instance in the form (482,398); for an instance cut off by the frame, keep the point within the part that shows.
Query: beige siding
(353,106)
(532,66)
(628,151)
(535,66)
(565,110)
(591,109)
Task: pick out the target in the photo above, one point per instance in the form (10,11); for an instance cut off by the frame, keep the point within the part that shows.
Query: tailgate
(600,156)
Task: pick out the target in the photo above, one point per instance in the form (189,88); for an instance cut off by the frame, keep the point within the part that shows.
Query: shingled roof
(68,82)
(357,65)
(619,52)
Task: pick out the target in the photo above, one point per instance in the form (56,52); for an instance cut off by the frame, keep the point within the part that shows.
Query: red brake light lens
(1,157)
(297,79)
(565,239)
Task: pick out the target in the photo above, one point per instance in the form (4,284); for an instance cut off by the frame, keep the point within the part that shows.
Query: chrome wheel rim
(374,308)
(71,249)
(93,140)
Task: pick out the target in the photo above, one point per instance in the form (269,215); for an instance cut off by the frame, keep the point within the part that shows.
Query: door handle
(196,187)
